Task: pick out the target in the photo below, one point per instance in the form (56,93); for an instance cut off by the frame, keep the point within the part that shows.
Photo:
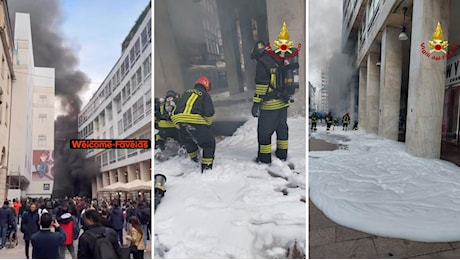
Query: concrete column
(99,182)
(372,102)
(426,81)
(227,23)
(293,13)
(390,84)
(131,172)
(122,177)
(168,72)
(145,170)
(362,108)
(112,176)
(352,101)
(105,179)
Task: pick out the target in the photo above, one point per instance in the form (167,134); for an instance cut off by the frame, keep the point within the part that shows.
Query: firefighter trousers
(163,135)
(192,136)
(271,121)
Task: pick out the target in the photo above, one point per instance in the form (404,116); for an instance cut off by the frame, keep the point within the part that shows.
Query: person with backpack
(136,236)
(167,129)
(144,215)
(66,221)
(97,242)
(273,96)
(46,244)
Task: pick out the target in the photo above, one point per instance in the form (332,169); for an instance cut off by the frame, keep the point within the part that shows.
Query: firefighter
(167,129)
(313,121)
(157,104)
(345,121)
(193,118)
(272,96)
(328,119)
(355,126)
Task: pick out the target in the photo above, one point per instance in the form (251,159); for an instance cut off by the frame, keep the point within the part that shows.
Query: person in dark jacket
(45,243)
(30,225)
(130,210)
(143,213)
(345,121)
(87,241)
(193,117)
(167,128)
(116,219)
(6,220)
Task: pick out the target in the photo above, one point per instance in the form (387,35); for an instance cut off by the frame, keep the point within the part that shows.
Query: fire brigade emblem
(438,44)
(283,44)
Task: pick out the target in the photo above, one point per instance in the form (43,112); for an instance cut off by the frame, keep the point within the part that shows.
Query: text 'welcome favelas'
(110,144)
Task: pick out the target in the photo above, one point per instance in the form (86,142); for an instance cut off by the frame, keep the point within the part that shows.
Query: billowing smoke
(340,74)
(72,171)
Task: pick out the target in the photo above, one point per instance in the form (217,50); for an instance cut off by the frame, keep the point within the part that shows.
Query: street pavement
(328,239)
(18,252)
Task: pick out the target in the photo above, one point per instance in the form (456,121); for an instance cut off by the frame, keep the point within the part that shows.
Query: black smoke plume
(72,171)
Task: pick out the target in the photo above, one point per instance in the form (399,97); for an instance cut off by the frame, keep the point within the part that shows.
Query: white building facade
(121,109)
(30,163)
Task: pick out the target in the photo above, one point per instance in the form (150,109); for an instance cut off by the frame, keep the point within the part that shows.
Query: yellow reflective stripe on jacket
(166,124)
(261,89)
(208,119)
(193,154)
(273,104)
(207,160)
(158,137)
(282,144)
(190,102)
(189,118)
(265,148)
(256,99)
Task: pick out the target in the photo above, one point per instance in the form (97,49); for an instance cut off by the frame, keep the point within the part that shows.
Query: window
(104,136)
(132,57)
(147,66)
(137,48)
(120,127)
(104,159)
(144,38)
(46,186)
(138,110)
(112,156)
(118,104)
(138,79)
(127,120)
(42,118)
(43,99)
(126,92)
(148,102)
(132,153)
(121,154)
(111,132)
(134,82)
(42,140)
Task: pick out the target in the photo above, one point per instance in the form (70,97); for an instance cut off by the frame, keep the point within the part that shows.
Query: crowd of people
(101,229)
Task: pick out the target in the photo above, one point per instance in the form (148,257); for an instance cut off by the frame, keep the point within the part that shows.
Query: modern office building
(402,55)
(324,94)
(7,76)
(121,109)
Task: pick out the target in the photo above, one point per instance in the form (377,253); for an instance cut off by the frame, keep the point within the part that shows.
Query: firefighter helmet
(258,49)
(171,93)
(205,82)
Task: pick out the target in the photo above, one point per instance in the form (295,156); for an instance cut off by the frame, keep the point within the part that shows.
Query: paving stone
(400,248)
(320,221)
(452,254)
(455,244)
(344,234)
(321,236)
(360,248)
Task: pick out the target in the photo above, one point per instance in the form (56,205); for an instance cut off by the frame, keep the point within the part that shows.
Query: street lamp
(403,36)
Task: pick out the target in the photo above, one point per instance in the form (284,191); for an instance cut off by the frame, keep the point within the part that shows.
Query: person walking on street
(144,215)
(328,119)
(17,205)
(66,221)
(93,242)
(46,244)
(6,219)
(30,224)
(193,117)
(136,237)
(116,219)
(130,210)
(313,121)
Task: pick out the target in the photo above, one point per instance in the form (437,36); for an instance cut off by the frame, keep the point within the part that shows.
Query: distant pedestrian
(17,206)
(346,121)
(30,225)
(6,220)
(97,241)
(116,219)
(136,237)
(45,243)
(144,215)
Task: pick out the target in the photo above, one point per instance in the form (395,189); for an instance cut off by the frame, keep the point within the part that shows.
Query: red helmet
(205,82)
(348,113)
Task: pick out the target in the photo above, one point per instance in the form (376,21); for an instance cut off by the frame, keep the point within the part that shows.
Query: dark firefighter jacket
(268,92)
(329,119)
(346,119)
(313,119)
(194,107)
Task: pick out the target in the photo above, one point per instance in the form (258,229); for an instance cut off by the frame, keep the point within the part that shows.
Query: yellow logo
(283,43)
(438,44)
